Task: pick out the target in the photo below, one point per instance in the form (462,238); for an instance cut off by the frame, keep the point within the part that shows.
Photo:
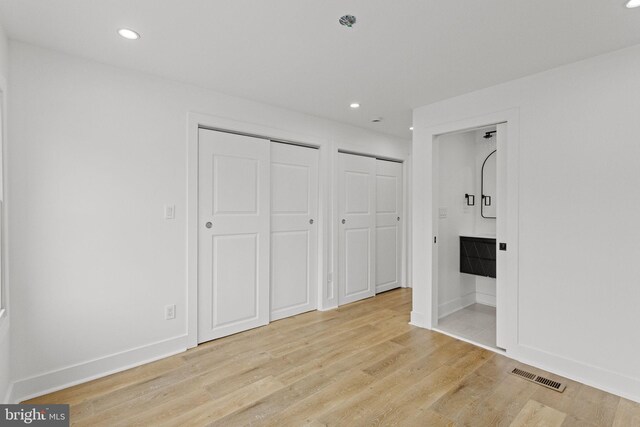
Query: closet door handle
(208,225)
(310,221)
(344,221)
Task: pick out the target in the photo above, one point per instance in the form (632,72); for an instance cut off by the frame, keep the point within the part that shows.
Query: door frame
(424,214)
(196,121)
(4,222)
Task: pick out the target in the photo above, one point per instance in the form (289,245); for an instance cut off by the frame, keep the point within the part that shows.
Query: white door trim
(195,121)
(4,241)
(424,278)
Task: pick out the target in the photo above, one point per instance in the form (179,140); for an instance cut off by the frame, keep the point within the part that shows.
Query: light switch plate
(169,211)
(170,312)
(442,212)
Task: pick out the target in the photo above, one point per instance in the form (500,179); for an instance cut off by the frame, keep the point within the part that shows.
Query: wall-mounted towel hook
(471,199)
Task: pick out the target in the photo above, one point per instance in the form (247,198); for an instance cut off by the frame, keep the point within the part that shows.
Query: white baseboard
(457,304)
(59,379)
(331,307)
(611,382)
(7,397)
(486,299)
(5,391)
(384,288)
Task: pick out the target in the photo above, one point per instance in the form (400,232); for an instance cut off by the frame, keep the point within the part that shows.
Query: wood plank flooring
(361,364)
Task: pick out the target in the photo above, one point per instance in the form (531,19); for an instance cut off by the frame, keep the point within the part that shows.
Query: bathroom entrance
(469,223)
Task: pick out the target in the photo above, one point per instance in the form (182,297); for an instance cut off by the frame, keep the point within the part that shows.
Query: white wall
(578,289)
(5,371)
(456,177)
(96,152)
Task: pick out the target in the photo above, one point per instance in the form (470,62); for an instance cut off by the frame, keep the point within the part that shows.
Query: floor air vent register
(545,382)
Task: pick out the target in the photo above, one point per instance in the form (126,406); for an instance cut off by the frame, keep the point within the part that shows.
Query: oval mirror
(488,186)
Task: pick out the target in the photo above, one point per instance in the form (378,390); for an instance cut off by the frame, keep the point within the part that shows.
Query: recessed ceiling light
(633,3)
(354,105)
(128,34)
(411,128)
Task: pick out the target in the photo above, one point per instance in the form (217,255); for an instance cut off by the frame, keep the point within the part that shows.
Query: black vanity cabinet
(478,256)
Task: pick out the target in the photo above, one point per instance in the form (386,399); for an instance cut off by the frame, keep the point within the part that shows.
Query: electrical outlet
(170,312)
(169,211)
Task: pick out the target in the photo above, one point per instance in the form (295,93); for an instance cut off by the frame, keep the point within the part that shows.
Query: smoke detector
(347,21)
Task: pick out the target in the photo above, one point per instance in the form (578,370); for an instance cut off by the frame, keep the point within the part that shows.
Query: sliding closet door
(388,225)
(357,221)
(233,236)
(294,235)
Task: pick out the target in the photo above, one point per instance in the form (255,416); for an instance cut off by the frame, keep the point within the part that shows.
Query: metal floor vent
(546,382)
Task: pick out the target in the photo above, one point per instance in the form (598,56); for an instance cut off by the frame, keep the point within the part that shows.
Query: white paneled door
(294,235)
(357,222)
(234,232)
(388,225)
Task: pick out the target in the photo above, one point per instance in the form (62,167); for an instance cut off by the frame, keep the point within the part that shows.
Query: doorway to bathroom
(470,235)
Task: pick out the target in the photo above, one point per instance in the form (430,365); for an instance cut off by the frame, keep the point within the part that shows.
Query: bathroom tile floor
(476,322)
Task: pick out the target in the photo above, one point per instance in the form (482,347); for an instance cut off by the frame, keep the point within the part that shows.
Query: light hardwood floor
(361,364)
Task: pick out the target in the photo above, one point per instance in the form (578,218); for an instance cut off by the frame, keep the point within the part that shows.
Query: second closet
(370,226)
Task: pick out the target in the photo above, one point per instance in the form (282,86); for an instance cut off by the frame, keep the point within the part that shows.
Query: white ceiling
(293,53)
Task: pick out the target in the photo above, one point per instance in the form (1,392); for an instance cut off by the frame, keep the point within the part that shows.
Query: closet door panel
(294,240)
(357,242)
(388,225)
(233,234)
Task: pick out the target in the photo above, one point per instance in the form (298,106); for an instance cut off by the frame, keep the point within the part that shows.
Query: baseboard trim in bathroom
(455,305)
